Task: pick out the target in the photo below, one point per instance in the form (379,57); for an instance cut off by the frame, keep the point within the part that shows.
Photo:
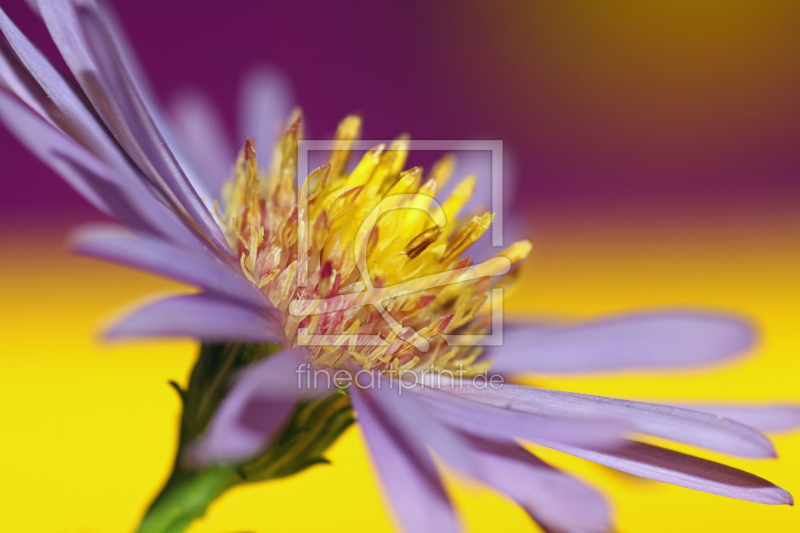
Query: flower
(162,180)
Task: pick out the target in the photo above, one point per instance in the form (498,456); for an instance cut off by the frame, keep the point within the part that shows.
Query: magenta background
(435,70)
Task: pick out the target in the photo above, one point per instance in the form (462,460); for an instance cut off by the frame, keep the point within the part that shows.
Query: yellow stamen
(418,284)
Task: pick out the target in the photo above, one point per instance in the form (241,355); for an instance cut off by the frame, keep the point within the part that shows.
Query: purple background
(442,70)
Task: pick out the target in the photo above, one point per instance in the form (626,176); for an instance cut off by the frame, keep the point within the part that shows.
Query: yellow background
(88,429)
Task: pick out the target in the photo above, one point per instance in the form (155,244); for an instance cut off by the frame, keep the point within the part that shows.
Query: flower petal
(557,501)
(16,79)
(676,468)
(412,418)
(410,480)
(638,341)
(773,418)
(55,99)
(682,425)
(131,64)
(208,317)
(109,191)
(506,425)
(201,131)
(265,104)
(34,5)
(82,35)
(257,406)
(199,266)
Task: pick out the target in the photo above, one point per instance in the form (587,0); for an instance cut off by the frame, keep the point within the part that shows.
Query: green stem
(311,429)
(185,497)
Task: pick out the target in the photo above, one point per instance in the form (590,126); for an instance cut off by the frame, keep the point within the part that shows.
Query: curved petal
(202,133)
(34,5)
(109,191)
(257,406)
(54,98)
(264,106)
(682,425)
(676,468)
(409,479)
(773,418)
(130,63)
(16,79)
(413,419)
(638,341)
(554,499)
(497,423)
(206,316)
(199,266)
(82,35)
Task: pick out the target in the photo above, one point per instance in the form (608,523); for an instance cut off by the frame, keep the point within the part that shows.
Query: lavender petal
(55,99)
(34,5)
(15,79)
(198,266)
(130,64)
(410,480)
(264,106)
(676,468)
(417,422)
(208,317)
(681,425)
(257,406)
(773,418)
(477,418)
(82,35)
(557,501)
(109,191)
(200,129)
(638,341)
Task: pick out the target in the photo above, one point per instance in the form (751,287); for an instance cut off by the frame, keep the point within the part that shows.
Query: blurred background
(655,146)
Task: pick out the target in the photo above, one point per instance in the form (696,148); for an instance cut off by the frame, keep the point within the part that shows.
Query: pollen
(365,265)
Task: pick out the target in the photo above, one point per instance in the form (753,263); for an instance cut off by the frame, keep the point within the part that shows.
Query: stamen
(415,269)
(419,243)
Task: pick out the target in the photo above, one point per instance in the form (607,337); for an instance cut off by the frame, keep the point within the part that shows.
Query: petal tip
(788,499)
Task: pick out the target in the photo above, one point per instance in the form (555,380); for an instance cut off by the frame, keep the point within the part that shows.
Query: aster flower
(262,402)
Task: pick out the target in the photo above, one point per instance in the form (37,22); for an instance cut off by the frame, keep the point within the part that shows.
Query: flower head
(355,250)
(275,264)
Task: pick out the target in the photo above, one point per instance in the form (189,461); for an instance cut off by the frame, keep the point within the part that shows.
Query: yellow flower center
(365,266)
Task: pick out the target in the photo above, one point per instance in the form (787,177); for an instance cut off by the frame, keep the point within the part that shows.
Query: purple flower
(192,210)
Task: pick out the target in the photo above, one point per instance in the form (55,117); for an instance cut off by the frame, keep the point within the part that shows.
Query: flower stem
(312,428)
(185,497)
